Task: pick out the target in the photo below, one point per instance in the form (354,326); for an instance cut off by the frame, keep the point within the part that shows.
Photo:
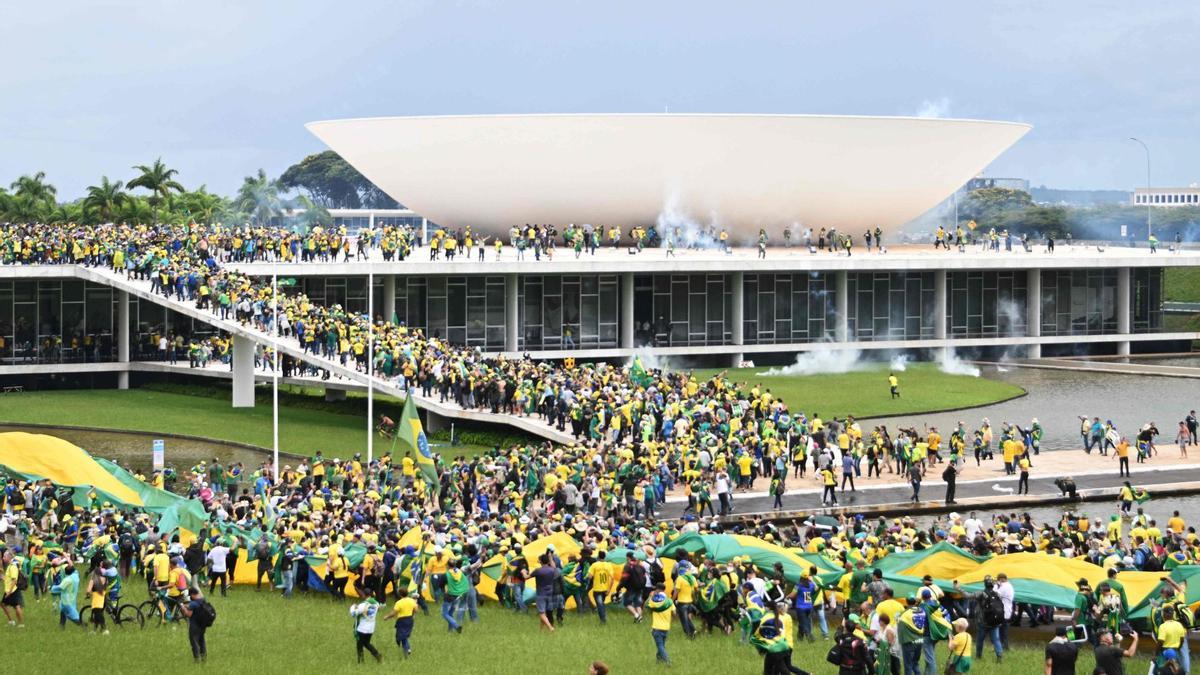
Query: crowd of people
(639,435)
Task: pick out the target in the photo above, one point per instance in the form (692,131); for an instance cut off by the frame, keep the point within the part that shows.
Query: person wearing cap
(1109,653)
(1061,654)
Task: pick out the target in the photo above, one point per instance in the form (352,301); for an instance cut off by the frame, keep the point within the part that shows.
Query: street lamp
(1149,221)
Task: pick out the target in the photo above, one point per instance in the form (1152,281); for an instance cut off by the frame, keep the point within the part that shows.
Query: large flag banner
(410,433)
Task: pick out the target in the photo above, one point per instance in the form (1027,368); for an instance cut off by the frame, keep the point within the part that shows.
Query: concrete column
(122,335)
(737,327)
(842,298)
(243,372)
(627,310)
(512,313)
(1124,311)
(939,304)
(389,297)
(1033,312)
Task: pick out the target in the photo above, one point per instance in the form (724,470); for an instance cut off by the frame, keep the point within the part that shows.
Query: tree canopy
(331,182)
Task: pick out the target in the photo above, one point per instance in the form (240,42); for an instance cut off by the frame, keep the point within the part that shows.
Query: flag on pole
(410,433)
(638,373)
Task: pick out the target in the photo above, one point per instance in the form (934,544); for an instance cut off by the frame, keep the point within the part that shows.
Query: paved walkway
(1153,369)
(293,348)
(1091,475)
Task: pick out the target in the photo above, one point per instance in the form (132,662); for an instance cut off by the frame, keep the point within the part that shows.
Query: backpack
(205,614)
(22,581)
(637,576)
(126,543)
(993,609)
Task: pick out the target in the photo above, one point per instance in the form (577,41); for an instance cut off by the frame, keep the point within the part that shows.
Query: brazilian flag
(412,435)
(638,374)
(711,593)
(770,636)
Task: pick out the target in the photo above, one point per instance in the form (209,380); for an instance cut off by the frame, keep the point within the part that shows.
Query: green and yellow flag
(410,433)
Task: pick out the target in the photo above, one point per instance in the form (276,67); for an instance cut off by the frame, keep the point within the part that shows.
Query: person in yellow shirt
(96,591)
(829,496)
(661,610)
(601,575)
(960,648)
(1023,481)
(403,612)
(685,590)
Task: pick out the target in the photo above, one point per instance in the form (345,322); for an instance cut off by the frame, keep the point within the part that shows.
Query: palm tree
(135,210)
(104,199)
(259,198)
(35,187)
(203,206)
(159,180)
(23,208)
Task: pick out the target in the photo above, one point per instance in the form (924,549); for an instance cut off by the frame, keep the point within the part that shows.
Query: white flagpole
(370,361)
(275,371)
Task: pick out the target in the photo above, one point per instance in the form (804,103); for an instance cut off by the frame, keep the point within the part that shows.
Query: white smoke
(652,361)
(934,108)
(899,363)
(678,225)
(949,363)
(821,362)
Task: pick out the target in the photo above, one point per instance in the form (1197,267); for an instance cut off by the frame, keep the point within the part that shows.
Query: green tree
(159,181)
(202,206)
(258,198)
(989,206)
(331,182)
(313,214)
(104,200)
(35,188)
(135,209)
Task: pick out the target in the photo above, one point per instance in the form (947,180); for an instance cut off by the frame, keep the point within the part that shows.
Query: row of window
(1193,198)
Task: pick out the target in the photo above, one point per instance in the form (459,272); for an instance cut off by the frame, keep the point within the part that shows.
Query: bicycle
(123,615)
(163,609)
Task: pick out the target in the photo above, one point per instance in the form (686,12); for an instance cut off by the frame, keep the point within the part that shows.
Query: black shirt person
(196,629)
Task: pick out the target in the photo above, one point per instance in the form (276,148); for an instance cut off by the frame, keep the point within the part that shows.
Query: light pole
(1149,221)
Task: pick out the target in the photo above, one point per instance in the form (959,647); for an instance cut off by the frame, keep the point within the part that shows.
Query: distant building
(1167,196)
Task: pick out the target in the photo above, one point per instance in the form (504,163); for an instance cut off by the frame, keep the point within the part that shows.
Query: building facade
(718,309)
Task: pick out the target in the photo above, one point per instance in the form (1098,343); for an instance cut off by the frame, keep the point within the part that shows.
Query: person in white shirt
(218,558)
(973,526)
(1005,590)
(364,627)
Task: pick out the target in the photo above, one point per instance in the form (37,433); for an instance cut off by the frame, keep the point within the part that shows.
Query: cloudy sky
(220,88)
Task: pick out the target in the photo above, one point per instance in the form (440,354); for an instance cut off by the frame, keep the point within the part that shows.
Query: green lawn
(262,633)
(864,393)
(304,426)
(1181,284)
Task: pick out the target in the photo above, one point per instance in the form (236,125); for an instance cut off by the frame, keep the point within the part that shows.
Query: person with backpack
(15,584)
(200,615)
(633,583)
(849,652)
(989,617)
(262,553)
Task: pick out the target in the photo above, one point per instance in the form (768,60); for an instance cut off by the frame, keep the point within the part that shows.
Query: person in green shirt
(457,585)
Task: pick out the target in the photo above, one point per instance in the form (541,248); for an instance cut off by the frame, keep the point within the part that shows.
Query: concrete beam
(737,325)
(939,304)
(122,335)
(627,310)
(389,297)
(1033,312)
(512,313)
(243,372)
(842,298)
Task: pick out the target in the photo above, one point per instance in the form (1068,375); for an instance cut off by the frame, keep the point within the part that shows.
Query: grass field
(304,427)
(1181,284)
(262,633)
(865,393)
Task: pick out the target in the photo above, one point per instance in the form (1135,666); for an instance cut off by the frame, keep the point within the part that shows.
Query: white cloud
(934,108)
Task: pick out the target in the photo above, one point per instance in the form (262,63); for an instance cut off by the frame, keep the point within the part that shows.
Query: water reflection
(1058,397)
(133,449)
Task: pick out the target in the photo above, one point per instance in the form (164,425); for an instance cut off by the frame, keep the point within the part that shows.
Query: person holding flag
(410,432)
